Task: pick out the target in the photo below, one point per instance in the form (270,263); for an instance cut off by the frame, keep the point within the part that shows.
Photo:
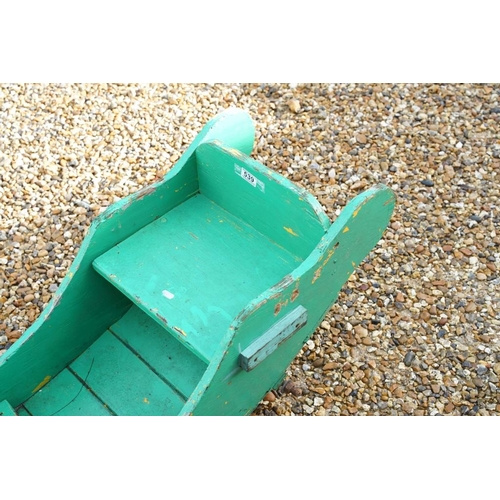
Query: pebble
(429,287)
(270,397)
(408,360)
(294,105)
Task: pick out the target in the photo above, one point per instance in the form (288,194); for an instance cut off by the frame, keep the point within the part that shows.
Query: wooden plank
(65,395)
(118,377)
(6,409)
(269,341)
(273,205)
(159,349)
(66,328)
(23,412)
(193,270)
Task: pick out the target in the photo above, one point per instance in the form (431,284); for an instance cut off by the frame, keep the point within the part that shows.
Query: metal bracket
(268,342)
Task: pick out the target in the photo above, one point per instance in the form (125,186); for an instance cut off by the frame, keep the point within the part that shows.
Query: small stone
(360,331)
(270,396)
(53,288)
(481,370)
(338,389)
(478,382)
(471,307)
(318,362)
(425,315)
(308,409)
(496,368)
(361,138)
(410,356)
(427,182)
(294,105)
(481,276)
(329,366)
(328,402)
(449,407)
(398,392)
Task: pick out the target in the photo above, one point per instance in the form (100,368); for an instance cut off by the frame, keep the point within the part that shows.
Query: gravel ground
(415,331)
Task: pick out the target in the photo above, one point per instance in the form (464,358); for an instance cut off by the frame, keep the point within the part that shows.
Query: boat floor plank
(160,350)
(65,395)
(118,377)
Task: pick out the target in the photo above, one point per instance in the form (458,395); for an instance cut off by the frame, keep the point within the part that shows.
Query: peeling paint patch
(194,236)
(180,330)
(167,294)
(278,307)
(145,192)
(317,274)
(161,318)
(283,283)
(295,294)
(290,231)
(41,384)
(346,229)
(146,401)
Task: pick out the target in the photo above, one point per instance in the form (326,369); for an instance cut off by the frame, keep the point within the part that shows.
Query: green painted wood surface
(65,395)
(6,409)
(194,269)
(66,328)
(269,341)
(22,412)
(160,350)
(123,381)
(122,369)
(270,203)
(226,389)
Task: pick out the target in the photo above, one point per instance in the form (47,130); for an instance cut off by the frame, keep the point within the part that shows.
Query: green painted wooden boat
(193,295)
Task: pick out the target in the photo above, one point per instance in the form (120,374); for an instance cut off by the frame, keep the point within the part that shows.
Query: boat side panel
(227,389)
(86,304)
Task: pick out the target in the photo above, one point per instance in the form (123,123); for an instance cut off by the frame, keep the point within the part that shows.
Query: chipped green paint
(160,302)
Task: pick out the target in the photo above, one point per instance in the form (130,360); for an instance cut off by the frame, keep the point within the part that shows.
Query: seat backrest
(270,203)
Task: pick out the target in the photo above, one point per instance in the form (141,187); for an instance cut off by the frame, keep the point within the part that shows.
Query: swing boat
(193,295)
